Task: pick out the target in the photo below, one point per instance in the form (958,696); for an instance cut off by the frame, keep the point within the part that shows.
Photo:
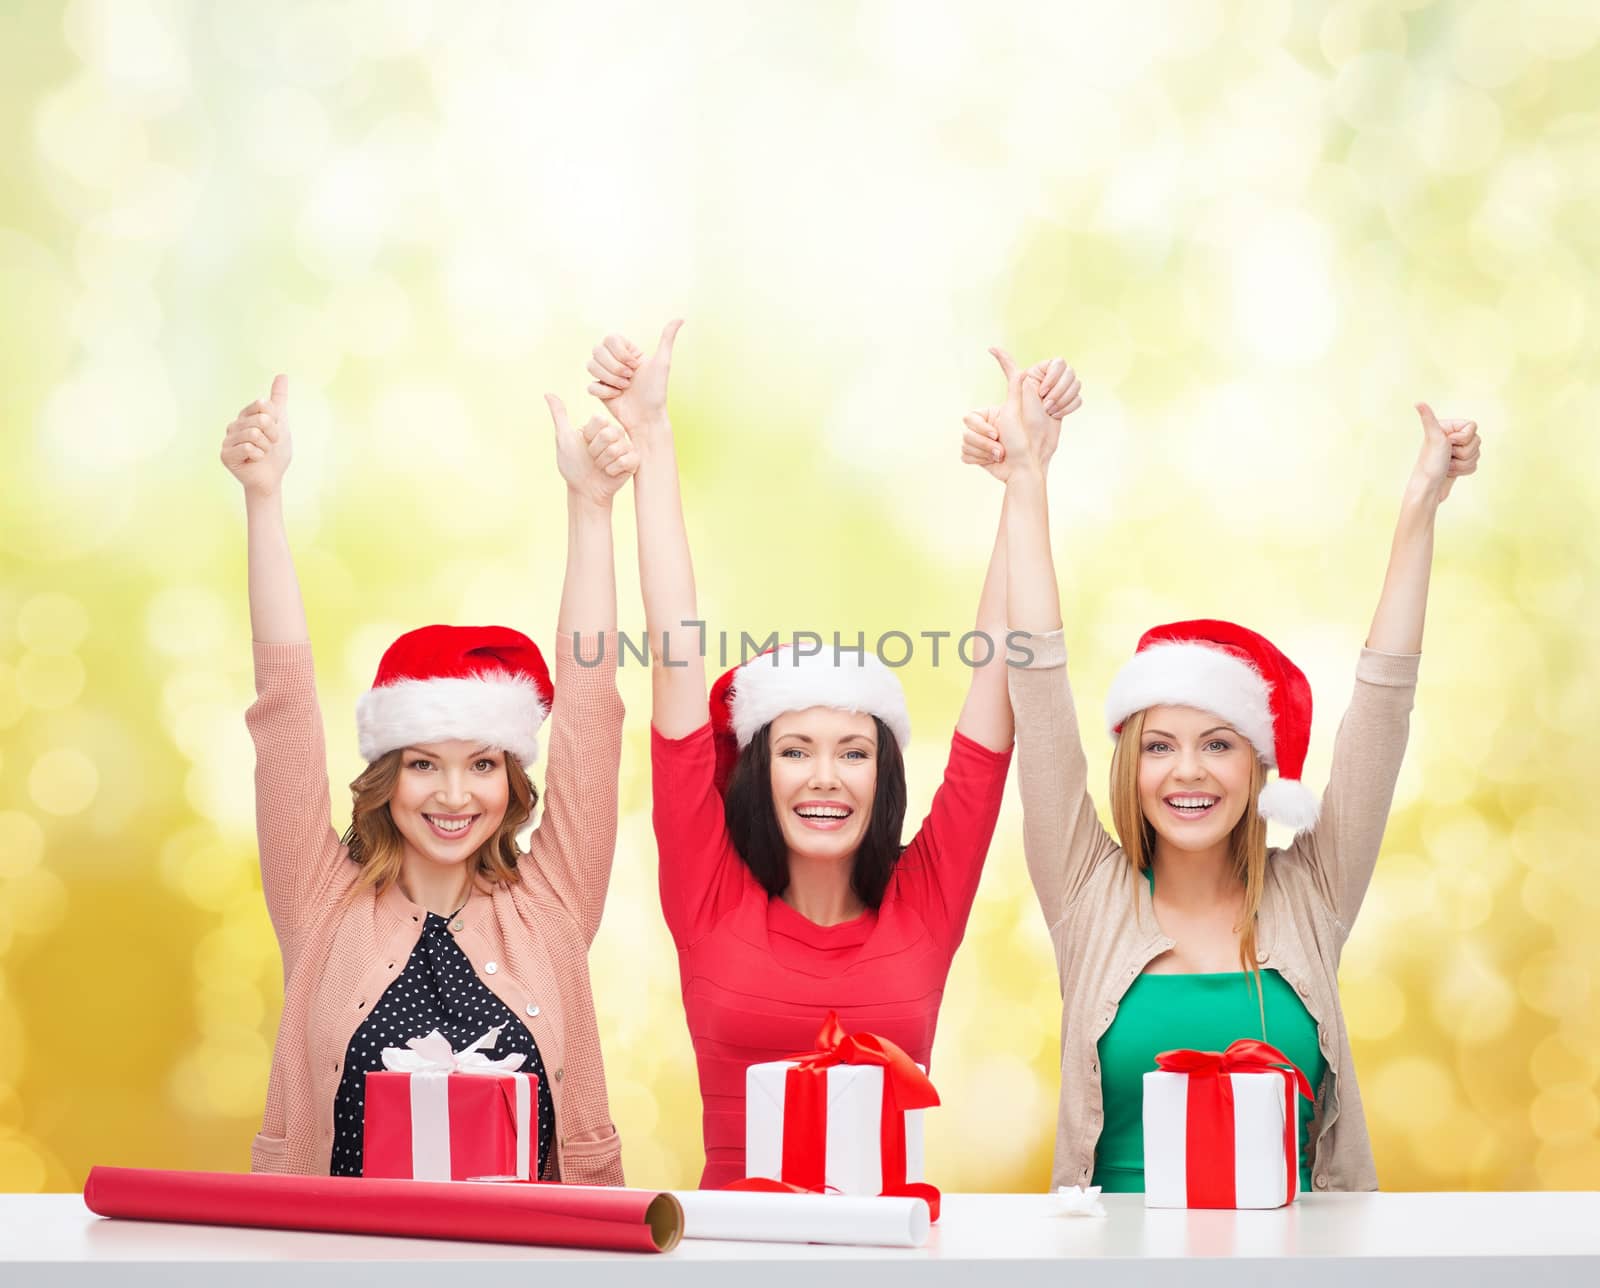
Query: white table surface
(1367,1240)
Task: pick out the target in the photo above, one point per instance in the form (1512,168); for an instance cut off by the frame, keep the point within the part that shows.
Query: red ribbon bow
(805,1114)
(1209,1146)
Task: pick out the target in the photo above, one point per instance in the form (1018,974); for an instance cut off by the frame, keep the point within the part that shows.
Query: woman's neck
(1195,878)
(438,887)
(820,891)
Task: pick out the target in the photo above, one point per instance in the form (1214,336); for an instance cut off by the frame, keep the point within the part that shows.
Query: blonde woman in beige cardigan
(1185,929)
(426,915)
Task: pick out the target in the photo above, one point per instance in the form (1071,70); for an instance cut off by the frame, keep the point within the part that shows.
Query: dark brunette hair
(758,836)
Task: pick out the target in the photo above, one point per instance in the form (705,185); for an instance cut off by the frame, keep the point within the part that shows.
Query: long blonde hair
(1248,842)
(375,842)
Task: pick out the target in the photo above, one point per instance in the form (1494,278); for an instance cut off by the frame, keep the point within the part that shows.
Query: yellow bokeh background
(1260,229)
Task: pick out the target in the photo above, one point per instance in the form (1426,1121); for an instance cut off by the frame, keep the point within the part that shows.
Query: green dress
(1203,1012)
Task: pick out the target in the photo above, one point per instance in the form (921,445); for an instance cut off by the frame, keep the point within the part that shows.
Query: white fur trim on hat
(497,709)
(769,685)
(1196,675)
(1289,801)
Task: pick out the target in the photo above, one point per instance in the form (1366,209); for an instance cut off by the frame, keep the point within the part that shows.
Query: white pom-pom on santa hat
(1241,676)
(784,679)
(482,683)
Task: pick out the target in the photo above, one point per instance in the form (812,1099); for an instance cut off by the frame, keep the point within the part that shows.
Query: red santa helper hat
(1242,677)
(779,680)
(485,683)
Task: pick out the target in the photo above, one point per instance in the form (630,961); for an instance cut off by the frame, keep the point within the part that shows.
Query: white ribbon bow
(430,1061)
(1077,1200)
(433,1054)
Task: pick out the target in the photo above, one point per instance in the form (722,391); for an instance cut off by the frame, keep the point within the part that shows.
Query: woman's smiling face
(824,766)
(1194,776)
(450,798)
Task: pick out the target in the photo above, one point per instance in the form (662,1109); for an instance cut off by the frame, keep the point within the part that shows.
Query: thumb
(279,397)
(1430,422)
(1007,363)
(669,333)
(558,412)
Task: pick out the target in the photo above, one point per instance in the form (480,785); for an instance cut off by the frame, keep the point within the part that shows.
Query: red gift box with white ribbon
(444,1115)
(843,1119)
(1221,1128)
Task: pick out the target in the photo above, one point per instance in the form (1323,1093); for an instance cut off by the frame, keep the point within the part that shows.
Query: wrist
(263,499)
(1421,497)
(587,505)
(1026,476)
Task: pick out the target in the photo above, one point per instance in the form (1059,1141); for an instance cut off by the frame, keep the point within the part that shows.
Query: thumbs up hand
(256,447)
(596,459)
(632,386)
(1450,448)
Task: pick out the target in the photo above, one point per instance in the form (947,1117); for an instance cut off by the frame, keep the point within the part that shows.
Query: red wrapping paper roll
(554,1216)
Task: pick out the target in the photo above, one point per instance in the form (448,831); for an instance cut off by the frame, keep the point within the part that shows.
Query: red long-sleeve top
(758,978)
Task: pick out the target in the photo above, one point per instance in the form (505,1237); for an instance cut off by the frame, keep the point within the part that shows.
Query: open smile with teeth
(1191,806)
(823,817)
(450,825)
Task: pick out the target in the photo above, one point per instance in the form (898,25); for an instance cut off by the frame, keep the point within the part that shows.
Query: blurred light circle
(52,622)
(116,409)
(1486,45)
(48,680)
(1471,998)
(86,131)
(1361,27)
(63,781)
(1373,91)
(1564,1113)
(1561,1058)
(1554,984)
(1459,129)
(289,131)
(188,621)
(1412,1093)
(1283,301)
(373,312)
(21,843)
(1546,312)
(1558,29)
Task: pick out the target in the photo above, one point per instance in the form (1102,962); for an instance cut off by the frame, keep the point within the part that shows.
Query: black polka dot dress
(438,989)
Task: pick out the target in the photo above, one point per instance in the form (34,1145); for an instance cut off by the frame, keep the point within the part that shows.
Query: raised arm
(634,389)
(1063,838)
(257,449)
(299,849)
(576,839)
(1371,742)
(1449,449)
(700,874)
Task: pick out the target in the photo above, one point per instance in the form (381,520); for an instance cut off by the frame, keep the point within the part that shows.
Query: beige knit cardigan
(1102,920)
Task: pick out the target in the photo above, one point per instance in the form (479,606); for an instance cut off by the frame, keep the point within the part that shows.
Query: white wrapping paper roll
(804,1218)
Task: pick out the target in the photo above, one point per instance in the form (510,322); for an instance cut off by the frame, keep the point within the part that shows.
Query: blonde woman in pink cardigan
(425,915)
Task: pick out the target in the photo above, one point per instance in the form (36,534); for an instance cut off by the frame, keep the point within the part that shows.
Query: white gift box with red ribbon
(1221,1128)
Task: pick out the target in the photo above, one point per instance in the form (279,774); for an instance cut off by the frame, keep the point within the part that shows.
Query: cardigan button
(1322,1181)
(557,1075)
(489,968)
(456,925)
(533,1008)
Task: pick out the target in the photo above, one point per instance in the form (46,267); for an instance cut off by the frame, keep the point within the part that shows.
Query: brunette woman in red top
(778,819)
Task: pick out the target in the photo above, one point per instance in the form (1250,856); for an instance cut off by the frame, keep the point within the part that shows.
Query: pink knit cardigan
(527,942)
